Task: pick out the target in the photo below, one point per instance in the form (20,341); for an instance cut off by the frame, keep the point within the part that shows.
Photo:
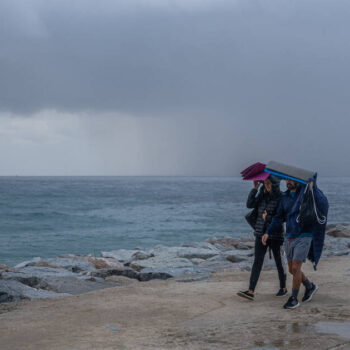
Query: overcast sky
(173,87)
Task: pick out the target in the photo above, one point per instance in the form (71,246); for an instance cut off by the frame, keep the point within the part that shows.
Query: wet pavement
(342,329)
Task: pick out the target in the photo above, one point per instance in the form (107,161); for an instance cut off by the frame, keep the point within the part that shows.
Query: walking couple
(303,238)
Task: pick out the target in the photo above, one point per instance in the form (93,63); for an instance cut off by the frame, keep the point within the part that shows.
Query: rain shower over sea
(49,216)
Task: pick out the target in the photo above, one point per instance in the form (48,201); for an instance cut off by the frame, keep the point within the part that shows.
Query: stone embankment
(74,274)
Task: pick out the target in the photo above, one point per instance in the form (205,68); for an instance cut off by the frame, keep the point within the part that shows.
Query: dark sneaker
(246,295)
(310,292)
(281,292)
(292,303)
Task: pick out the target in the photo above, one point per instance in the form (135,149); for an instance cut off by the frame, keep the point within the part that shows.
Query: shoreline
(206,314)
(71,274)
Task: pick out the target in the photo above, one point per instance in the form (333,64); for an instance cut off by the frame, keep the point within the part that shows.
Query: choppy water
(48,216)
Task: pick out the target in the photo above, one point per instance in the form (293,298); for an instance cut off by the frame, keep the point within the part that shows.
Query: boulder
(5,268)
(141,255)
(122,255)
(163,252)
(229,242)
(235,258)
(105,263)
(245,246)
(196,253)
(202,245)
(74,264)
(247,253)
(31,262)
(217,264)
(121,280)
(339,230)
(153,275)
(124,271)
(165,273)
(34,275)
(161,261)
(197,261)
(14,290)
(336,246)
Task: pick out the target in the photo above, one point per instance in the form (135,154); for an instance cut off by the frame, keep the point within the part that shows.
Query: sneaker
(246,295)
(310,292)
(282,292)
(292,303)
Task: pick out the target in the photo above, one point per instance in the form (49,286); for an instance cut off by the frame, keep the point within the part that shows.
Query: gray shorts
(297,248)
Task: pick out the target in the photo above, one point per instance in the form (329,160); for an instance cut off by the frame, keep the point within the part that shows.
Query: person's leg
(295,269)
(288,249)
(298,277)
(290,267)
(276,250)
(260,251)
(301,250)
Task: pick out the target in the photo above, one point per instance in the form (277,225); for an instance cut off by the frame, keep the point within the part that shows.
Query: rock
(197,261)
(33,275)
(5,268)
(246,246)
(245,266)
(122,255)
(54,279)
(338,231)
(165,253)
(125,271)
(335,246)
(229,242)
(141,255)
(31,262)
(341,252)
(224,241)
(74,264)
(217,264)
(331,226)
(202,245)
(121,280)
(105,263)
(152,275)
(165,273)
(236,258)
(247,253)
(161,261)
(199,253)
(14,290)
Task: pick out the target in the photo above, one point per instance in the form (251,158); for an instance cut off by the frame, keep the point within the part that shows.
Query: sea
(50,216)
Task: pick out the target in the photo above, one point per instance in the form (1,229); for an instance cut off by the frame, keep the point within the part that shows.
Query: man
(300,238)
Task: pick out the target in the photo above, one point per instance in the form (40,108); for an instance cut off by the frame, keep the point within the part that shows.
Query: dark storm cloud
(218,84)
(264,58)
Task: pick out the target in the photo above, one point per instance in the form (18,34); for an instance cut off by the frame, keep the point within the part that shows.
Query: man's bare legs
(299,278)
(298,275)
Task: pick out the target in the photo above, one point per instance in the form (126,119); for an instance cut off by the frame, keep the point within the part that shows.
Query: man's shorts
(297,248)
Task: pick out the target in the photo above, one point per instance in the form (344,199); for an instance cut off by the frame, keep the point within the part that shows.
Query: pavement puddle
(341,329)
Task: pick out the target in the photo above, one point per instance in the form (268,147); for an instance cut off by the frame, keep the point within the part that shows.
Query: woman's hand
(264,238)
(264,215)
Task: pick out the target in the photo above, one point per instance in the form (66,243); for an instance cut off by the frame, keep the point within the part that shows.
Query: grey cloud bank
(182,87)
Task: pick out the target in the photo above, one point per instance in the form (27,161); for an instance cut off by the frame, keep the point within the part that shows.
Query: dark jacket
(262,201)
(288,212)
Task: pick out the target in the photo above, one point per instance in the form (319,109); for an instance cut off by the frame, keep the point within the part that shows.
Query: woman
(265,201)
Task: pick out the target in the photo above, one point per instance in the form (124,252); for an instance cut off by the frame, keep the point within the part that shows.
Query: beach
(193,315)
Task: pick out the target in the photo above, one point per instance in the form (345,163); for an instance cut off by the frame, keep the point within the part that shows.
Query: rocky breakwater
(74,274)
